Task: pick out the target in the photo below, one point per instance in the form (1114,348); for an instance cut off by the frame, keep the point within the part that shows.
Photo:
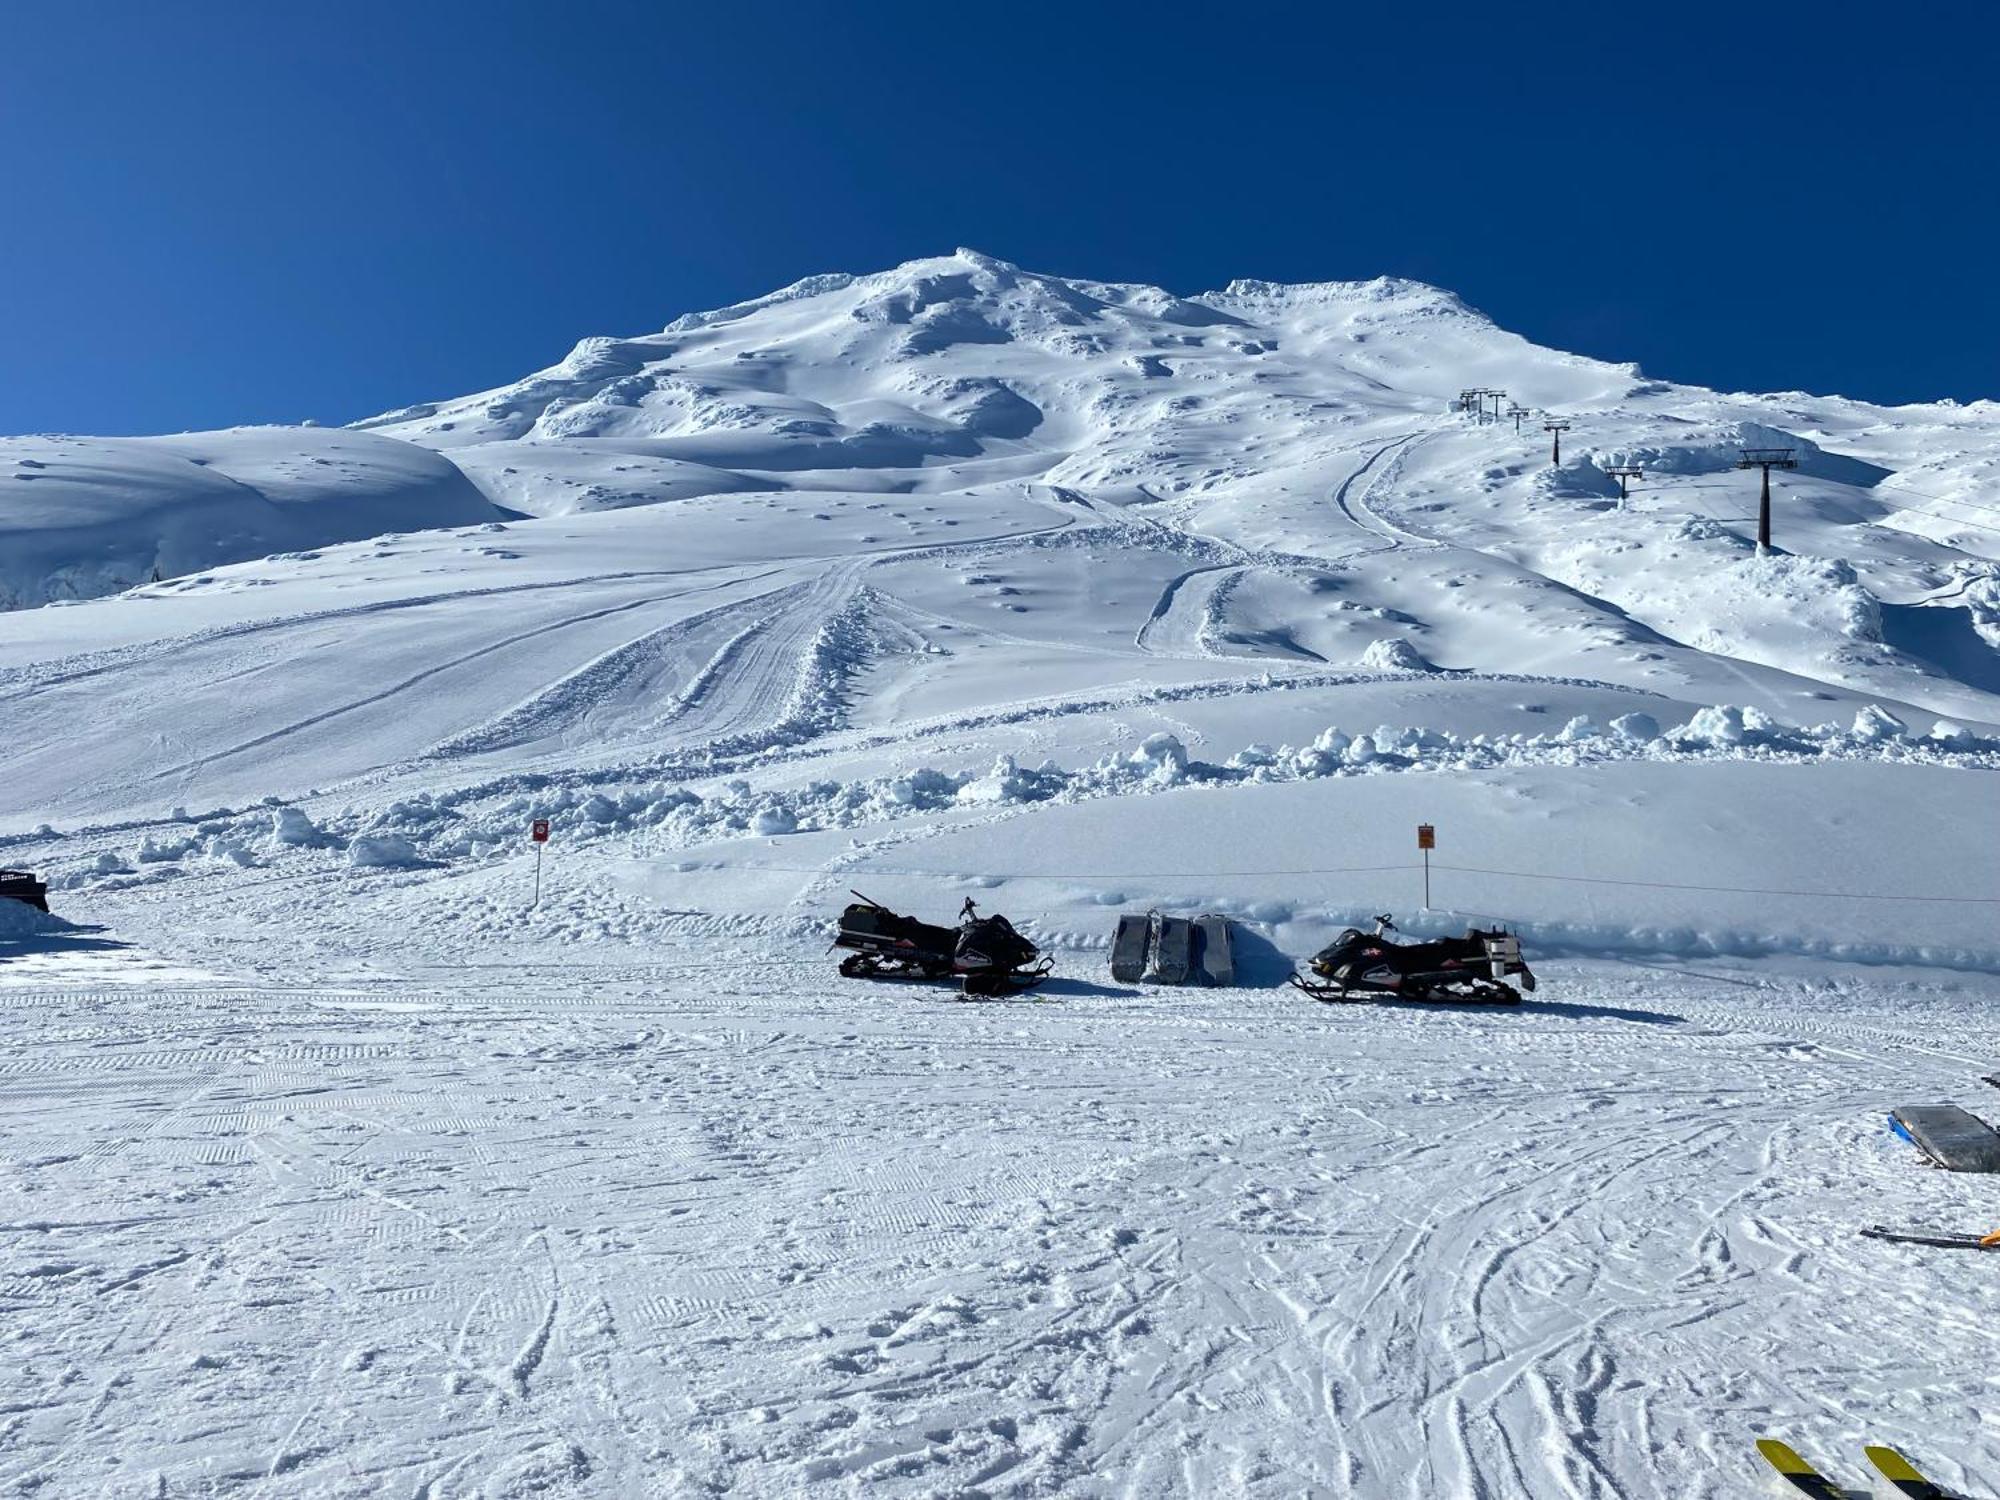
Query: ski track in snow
(1354,504)
(792,1240)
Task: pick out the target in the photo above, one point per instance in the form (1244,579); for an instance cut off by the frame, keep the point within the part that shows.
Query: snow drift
(89,516)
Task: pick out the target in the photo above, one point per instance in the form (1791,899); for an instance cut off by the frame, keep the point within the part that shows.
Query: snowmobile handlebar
(1385,923)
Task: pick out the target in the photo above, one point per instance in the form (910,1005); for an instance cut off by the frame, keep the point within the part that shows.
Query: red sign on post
(1427,836)
(539,832)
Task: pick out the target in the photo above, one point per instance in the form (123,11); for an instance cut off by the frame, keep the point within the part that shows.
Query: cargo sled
(1172,950)
(986,954)
(1472,970)
(1950,1137)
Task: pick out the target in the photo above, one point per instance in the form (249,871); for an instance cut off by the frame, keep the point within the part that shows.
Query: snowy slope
(337,1167)
(1238,414)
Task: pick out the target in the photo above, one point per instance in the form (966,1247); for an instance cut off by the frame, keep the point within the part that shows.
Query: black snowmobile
(22,886)
(1359,966)
(986,953)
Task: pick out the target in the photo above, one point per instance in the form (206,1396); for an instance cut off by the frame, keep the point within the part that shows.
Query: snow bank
(1717,448)
(485,823)
(81,517)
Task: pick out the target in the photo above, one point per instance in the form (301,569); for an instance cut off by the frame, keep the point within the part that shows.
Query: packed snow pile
(382,851)
(89,516)
(19,920)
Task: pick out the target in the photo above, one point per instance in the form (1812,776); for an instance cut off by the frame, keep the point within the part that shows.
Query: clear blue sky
(220,212)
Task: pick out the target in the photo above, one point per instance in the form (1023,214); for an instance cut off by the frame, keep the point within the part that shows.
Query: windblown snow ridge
(486,822)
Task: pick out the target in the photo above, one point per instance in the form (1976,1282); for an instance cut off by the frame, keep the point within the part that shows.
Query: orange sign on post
(1427,836)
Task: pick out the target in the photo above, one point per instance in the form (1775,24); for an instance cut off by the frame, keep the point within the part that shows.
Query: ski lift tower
(1622,475)
(1517,412)
(1556,428)
(1471,400)
(1496,397)
(1767,459)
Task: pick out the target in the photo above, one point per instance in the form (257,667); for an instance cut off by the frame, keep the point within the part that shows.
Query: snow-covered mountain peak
(1398,291)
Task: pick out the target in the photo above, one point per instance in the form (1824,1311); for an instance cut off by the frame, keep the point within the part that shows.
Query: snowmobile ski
(1803,1476)
(1903,1474)
(1468,992)
(992,986)
(1128,949)
(1934,1238)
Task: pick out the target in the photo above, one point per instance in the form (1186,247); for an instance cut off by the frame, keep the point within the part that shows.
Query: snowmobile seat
(1952,1138)
(888,929)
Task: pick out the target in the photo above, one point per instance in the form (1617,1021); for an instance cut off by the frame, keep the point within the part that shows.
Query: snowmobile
(986,953)
(1470,970)
(22,886)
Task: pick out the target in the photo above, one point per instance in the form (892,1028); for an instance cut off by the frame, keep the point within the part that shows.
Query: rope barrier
(860,871)
(865,872)
(1729,890)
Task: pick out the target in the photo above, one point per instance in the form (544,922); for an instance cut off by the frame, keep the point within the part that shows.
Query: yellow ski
(1900,1472)
(1802,1474)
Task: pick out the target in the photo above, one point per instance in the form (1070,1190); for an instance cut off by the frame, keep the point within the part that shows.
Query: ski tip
(1801,1475)
(1892,1464)
(1784,1458)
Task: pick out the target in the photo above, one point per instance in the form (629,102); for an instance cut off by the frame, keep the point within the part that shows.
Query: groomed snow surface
(335,1168)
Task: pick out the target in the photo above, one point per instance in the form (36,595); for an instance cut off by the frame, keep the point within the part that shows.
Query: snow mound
(1392,654)
(383,851)
(80,517)
(293,827)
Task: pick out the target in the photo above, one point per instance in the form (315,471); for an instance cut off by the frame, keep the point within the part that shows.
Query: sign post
(1427,840)
(539,832)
